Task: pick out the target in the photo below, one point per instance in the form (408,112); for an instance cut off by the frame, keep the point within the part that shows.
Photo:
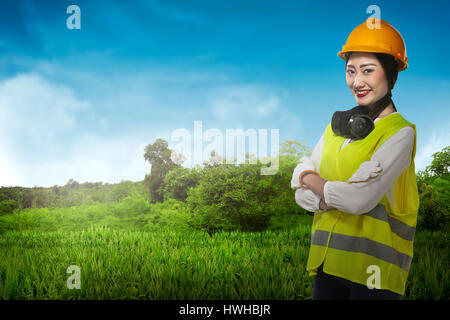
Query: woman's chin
(363,101)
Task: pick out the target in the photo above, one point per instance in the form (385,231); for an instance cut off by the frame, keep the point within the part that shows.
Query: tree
(441,162)
(228,198)
(122,190)
(72,184)
(294,149)
(178,182)
(434,192)
(159,156)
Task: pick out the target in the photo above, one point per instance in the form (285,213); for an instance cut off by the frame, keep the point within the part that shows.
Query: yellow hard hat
(376,35)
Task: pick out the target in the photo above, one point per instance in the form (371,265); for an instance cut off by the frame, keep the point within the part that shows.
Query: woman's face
(366,78)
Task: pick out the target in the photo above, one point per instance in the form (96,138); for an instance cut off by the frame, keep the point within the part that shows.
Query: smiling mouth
(361,94)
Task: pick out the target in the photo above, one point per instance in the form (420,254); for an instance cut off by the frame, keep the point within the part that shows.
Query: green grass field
(151,258)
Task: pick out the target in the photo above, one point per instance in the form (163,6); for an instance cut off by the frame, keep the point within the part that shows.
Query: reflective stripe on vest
(368,246)
(362,245)
(399,228)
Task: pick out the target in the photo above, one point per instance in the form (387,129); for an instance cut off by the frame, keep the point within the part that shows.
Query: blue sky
(83,104)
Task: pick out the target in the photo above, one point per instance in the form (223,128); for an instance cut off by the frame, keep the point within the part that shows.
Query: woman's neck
(387,111)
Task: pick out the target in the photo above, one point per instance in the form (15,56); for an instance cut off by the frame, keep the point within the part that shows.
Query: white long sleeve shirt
(394,156)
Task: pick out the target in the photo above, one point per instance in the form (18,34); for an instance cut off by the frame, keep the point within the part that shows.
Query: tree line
(73,193)
(223,196)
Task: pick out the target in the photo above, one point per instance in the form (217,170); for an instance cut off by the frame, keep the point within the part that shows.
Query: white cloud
(33,113)
(41,116)
(31,106)
(435,142)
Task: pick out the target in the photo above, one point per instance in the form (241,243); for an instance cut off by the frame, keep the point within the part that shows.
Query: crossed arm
(317,185)
(394,156)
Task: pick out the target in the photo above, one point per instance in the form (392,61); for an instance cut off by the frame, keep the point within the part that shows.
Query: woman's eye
(368,70)
(349,71)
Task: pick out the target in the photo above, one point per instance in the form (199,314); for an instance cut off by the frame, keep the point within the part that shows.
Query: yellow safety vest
(347,244)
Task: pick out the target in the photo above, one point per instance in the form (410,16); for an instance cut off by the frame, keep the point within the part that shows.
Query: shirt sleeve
(394,156)
(305,198)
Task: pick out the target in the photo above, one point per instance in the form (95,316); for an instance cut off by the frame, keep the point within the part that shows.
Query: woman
(360,180)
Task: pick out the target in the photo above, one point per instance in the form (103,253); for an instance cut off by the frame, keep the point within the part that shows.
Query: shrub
(432,212)
(178,181)
(7,206)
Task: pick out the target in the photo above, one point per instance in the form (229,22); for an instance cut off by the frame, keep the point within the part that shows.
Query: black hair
(390,67)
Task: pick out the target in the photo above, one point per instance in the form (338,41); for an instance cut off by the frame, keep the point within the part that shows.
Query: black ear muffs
(354,123)
(358,122)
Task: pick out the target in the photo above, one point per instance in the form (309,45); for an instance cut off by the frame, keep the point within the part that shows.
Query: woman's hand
(366,171)
(322,205)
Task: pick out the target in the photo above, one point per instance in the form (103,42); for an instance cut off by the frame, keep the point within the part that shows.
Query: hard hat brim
(402,65)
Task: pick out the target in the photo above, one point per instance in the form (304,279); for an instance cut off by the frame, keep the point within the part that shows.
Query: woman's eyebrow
(363,65)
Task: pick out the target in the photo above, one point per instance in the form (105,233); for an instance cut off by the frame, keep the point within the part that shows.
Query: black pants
(328,287)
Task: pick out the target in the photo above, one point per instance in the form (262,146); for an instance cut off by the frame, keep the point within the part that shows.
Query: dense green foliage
(178,182)
(434,191)
(230,197)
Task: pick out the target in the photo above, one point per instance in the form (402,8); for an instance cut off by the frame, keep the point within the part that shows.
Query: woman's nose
(358,83)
